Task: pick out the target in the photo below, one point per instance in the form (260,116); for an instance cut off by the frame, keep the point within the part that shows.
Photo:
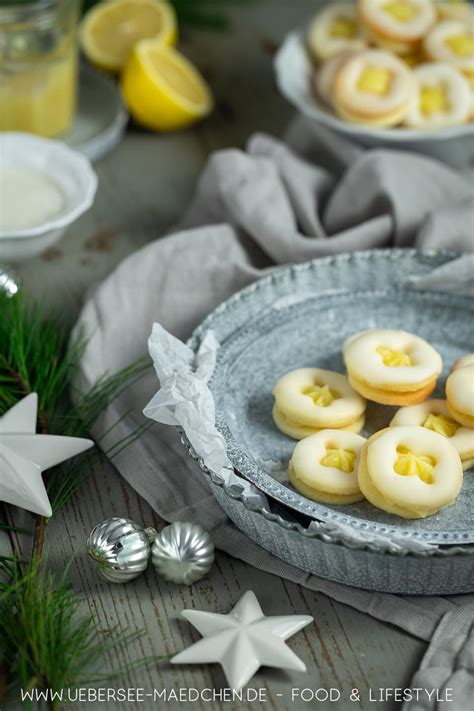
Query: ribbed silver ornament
(182,553)
(120,549)
(9,283)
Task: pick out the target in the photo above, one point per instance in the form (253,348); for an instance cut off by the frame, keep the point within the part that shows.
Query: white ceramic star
(25,454)
(243,641)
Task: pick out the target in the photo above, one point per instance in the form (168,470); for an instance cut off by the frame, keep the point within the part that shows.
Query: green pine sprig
(46,638)
(36,356)
(51,640)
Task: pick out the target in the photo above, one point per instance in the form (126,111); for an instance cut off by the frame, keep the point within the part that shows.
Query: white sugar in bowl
(44,187)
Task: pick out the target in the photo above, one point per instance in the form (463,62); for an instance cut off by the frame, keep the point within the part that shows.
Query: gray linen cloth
(280,202)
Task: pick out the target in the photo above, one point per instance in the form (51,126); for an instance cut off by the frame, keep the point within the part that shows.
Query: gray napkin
(272,204)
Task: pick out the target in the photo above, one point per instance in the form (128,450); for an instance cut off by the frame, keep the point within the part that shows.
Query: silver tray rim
(320,534)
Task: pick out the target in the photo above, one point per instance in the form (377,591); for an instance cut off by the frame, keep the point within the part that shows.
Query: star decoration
(24,455)
(243,641)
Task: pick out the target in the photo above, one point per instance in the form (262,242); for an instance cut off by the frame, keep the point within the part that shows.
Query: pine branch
(36,356)
(44,640)
(48,638)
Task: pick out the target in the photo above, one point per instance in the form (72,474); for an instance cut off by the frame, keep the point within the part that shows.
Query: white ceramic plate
(67,168)
(293,69)
(101,117)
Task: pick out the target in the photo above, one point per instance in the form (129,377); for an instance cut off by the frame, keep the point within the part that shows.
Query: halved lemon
(162,89)
(111,29)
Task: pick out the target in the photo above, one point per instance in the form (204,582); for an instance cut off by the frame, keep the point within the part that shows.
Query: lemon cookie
(298,431)
(434,415)
(467,359)
(470,78)
(310,399)
(326,75)
(452,41)
(409,471)
(460,395)
(453,10)
(334,29)
(442,97)
(392,367)
(324,467)
(374,88)
(397,25)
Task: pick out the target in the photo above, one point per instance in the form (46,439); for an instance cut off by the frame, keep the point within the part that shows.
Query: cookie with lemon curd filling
(453,42)
(323,467)
(460,395)
(467,359)
(297,431)
(397,25)
(442,97)
(409,471)
(374,88)
(335,29)
(326,75)
(470,78)
(316,399)
(453,10)
(392,367)
(434,415)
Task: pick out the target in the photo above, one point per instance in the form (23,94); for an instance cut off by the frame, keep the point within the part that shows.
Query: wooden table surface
(145,183)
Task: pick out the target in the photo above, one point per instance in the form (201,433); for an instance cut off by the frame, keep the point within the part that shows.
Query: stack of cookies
(385,63)
(311,399)
(413,467)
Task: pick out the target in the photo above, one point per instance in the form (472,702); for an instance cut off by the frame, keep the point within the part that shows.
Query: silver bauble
(9,284)
(182,553)
(120,549)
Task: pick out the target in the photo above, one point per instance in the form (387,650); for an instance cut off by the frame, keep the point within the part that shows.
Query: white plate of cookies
(385,72)
(348,397)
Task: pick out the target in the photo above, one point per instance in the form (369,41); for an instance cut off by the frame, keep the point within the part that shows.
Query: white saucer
(101,116)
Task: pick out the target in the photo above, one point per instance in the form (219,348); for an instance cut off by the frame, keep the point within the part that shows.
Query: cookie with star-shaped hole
(324,467)
(310,399)
(409,471)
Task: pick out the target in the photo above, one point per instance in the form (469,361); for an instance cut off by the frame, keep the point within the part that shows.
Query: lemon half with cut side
(111,29)
(162,89)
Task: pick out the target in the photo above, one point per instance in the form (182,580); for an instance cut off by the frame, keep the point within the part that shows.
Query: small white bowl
(71,172)
(294,70)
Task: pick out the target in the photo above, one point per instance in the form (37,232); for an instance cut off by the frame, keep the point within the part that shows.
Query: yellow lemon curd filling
(343,27)
(410,464)
(442,425)
(342,459)
(433,99)
(401,11)
(375,80)
(461,44)
(394,359)
(321,395)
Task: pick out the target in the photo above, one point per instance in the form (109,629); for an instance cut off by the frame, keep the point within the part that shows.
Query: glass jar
(38,66)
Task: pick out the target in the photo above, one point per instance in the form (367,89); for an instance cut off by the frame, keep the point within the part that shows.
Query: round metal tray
(299,316)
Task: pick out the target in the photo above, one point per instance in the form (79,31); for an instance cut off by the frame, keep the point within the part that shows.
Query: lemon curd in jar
(38,66)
